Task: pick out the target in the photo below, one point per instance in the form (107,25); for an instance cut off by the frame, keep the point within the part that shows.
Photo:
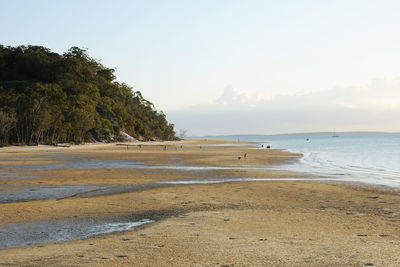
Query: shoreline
(247,223)
(190,143)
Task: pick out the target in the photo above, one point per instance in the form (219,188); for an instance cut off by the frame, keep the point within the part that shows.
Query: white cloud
(374,107)
(380,94)
(233,97)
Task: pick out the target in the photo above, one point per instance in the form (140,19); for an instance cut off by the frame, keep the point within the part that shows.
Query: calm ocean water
(361,158)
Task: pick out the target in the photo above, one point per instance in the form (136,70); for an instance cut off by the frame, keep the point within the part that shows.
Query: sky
(235,67)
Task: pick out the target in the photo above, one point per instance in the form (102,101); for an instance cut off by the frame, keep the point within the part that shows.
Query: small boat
(334,134)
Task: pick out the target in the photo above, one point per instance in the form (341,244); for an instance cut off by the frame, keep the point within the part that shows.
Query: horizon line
(300,133)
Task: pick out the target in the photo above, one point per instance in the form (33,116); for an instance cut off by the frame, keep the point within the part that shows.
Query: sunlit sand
(299,220)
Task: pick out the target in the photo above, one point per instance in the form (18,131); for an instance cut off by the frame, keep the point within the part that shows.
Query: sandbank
(277,223)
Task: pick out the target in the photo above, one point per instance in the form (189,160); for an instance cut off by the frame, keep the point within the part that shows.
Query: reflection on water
(77,163)
(229,180)
(84,163)
(18,235)
(6,175)
(114,227)
(33,193)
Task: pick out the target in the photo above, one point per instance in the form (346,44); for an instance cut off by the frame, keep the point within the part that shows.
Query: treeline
(49,98)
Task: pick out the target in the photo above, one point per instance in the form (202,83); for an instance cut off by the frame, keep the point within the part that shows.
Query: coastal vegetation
(50,98)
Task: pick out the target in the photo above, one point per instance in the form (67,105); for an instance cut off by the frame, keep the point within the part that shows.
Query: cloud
(380,94)
(228,96)
(232,97)
(375,107)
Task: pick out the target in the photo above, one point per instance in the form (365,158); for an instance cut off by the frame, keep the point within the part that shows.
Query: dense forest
(49,98)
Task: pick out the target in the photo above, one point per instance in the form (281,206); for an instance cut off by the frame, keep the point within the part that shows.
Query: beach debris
(362,235)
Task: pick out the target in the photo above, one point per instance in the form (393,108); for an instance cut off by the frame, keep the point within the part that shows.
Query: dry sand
(277,223)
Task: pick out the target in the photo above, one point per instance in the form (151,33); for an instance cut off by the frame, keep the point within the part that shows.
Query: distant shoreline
(298,134)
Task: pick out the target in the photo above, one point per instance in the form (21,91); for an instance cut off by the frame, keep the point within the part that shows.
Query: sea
(363,158)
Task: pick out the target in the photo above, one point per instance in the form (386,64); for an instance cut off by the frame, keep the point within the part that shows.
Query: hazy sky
(223,67)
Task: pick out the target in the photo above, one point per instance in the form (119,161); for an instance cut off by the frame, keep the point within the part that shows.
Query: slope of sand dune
(281,223)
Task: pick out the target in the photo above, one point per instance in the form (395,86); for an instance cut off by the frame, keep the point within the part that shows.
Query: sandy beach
(258,223)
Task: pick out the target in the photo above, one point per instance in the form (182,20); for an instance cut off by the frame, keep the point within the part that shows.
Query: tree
(48,98)
(182,133)
(7,123)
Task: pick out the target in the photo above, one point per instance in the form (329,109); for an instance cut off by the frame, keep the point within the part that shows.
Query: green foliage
(49,98)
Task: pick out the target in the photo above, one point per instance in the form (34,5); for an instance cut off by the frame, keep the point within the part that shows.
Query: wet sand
(234,224)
